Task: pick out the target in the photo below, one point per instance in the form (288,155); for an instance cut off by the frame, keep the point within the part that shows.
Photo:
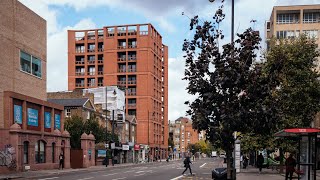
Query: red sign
(302,130)
(136,147)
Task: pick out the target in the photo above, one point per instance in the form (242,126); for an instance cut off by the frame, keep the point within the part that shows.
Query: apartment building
(183,134)
(133,58)
(291,21)
(31,129)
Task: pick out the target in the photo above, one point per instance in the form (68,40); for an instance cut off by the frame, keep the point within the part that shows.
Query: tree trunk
(229,165)
(281,160)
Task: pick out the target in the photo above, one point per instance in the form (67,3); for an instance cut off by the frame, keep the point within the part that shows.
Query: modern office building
(133,58)
(291,21)
(31,129)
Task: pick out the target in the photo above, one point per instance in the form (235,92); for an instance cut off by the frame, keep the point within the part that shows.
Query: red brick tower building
(134,58)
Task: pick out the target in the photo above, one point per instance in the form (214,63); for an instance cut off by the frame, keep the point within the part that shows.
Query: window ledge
(30,74)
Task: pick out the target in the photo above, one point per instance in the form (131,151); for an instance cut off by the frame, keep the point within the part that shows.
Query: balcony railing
(132,82)
(91,84)
(100,50)
(131,93)
(121,70)
(79,62)
(121,82)
(143,33)
(91,50)
(122,47)
(79,50)
(132,70)
(79,38)
(132,105)
(91,62)
(121,59)
(100,37)
(100,61)
(100,84)
(132,33)
(132,58)
(80,73)
(132,46)
(100,72)
(91,73)
(79,84)
(91,37)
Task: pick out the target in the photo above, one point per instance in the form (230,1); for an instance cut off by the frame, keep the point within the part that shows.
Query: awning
(296,132)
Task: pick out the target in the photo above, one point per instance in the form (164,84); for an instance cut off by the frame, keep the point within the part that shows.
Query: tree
(293,65)
(74,126)
(231,93)
(170,143)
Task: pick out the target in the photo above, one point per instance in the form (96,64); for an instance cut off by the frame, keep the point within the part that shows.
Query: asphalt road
(159,171)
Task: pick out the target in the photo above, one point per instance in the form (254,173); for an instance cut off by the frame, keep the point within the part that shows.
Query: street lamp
(112,135)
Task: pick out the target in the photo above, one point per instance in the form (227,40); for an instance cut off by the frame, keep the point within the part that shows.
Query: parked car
(219,173)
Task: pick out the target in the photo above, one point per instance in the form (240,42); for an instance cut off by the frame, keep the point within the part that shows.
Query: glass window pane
(25,61)
(36,66)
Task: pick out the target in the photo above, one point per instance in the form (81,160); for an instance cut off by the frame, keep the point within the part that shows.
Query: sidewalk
(253,173)
(47,173)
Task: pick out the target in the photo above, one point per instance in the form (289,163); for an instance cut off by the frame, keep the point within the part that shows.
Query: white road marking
(139,174)
(110,174)
(49,178)
(203,165)
(128,171)
(120,178)
(86,178)
(177,177)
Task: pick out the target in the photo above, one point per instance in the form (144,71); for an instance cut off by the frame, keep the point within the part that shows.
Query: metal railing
(121,70)
(80,73)
(91,61)
(79,84)
(79,62)
(132,70)
(122,47)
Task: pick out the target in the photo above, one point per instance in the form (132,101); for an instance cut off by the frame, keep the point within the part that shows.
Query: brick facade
(134,58)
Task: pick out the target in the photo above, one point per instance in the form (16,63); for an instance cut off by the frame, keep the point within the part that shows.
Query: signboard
(57,121)
(102,153)
(47,120)
(32,117)
(136,147)
(17,114)
(106,146)
(125,147)
(237,157)
(113,145)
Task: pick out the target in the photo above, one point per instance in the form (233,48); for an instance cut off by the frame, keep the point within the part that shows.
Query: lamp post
(112,135)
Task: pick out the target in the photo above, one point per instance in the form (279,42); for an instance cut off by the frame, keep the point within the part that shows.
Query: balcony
(91,50)
(132,82)
(100,84)
(100,61)
(121,59)
(79,62)
(121,70)
(122,47)
(79,50)
(131,93)
(91,37)
(91,84)
(132,105)
(132,33)
(80,73)
(91,62)
(91,73)
(100,72)
(121,82)
(100,49)
(79,38)
(132,58)
(132,46)
(143,33)
(79,85)
(132,70)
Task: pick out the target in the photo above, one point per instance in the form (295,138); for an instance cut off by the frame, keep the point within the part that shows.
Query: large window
(40,152)
(287,18)
(310,17)
(25,152)
(311,33)
(30,64)
(287,34)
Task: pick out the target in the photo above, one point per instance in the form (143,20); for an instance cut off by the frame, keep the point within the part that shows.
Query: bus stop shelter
(307,150)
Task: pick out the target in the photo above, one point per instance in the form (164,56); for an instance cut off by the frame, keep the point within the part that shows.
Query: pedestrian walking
(290,166)
(187,163)
(260,161)
(61,160)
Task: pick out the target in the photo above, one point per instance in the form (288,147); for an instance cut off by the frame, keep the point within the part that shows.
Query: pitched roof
(79,102)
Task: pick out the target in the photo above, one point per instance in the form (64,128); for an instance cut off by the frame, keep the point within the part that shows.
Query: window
(30,64)
(25,152)
(53,152)
(311,33)
(68,112)
(310,17)
(287,18)
(40,153)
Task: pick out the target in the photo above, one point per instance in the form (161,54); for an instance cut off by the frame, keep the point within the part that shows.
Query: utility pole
(106,126)
(112,136)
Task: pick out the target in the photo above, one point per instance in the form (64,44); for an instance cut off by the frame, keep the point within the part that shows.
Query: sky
(165,15)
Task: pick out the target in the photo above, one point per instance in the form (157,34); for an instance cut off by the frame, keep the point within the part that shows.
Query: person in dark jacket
(61,160)
(260,161)
(187,163)
(290,166)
